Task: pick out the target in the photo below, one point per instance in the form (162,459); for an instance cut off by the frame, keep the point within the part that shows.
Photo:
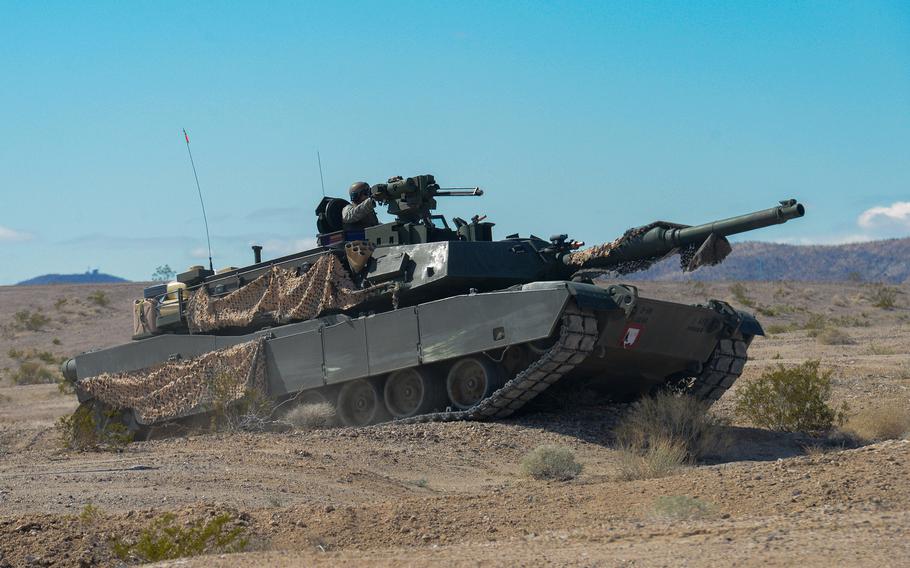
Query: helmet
(358,188)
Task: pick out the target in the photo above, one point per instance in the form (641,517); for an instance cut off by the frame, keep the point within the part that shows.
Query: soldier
(359,214)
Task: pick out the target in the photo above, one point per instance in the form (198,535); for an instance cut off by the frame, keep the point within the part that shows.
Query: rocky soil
(453,494)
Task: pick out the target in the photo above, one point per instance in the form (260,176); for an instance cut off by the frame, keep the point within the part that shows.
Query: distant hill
(89,277)
(875,261)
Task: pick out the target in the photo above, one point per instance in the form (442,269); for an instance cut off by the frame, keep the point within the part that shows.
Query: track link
(577,336)
(722,369)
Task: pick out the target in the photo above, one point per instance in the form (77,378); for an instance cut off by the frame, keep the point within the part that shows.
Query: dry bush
(31,321)
(313,416)
(790,399)
(884,297)
(672,418)
(99,298)
(91,428)
(740,294)
(888,422)
(661,458)
(834,336)
(550,462)
(681,507)
(32,373)
(167,539)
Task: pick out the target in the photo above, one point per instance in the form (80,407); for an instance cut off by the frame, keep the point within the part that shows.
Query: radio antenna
(321,180)
(205,220)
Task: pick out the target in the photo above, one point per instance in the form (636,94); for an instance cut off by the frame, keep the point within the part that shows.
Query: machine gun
(411,199)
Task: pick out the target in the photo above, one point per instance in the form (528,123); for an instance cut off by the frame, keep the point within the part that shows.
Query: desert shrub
(740,294)
(815,324)
(163,273)
(56,341)
(777,328)
(884,297)
(662,457)
(4,399)
(251,412)
(32,373)
(166,539)
(790,399)
(550,462)
(834,336)
(680,507)
(89,428)
(670,418)
(887,422)
(99,298)
(29,320)
(879,350)
(59,303)
(312,416)
(89,515)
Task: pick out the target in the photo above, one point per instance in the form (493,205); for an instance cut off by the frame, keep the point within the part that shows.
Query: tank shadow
(596,424)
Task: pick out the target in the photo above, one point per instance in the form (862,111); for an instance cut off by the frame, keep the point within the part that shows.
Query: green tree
(163,273)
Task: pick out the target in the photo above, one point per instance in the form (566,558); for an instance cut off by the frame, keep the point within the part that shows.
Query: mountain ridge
(874,261)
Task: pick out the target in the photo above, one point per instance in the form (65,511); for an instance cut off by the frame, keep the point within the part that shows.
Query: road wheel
(472,379)
(360,403)
(410,392)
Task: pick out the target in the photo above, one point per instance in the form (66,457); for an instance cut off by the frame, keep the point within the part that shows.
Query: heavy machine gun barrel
(663,238)
(412,199)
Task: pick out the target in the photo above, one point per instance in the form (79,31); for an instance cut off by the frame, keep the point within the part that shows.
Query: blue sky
(584,118)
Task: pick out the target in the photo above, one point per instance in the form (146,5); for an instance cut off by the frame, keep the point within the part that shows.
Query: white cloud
(895,215)
(10,235)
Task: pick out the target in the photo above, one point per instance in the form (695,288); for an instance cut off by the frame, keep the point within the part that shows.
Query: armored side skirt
(639,340)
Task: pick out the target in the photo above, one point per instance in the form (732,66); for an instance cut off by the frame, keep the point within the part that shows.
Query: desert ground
(453,493)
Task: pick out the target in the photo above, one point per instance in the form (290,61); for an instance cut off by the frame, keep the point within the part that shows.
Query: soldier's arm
(353,213)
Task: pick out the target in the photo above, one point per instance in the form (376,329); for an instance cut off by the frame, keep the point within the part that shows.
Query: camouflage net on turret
(691,257)
(179,388)
(280,296)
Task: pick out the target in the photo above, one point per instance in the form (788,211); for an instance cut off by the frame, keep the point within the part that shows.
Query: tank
(419,320)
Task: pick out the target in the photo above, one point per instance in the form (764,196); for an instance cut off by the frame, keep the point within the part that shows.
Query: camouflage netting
(280,295)
(597,258)
(177,388)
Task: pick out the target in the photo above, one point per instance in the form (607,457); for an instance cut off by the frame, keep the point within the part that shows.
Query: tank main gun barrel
(663,238)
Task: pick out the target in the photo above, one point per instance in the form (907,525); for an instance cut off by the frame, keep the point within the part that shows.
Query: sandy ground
(452,494)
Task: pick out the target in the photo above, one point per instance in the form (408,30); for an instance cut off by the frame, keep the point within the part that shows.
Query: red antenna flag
(185,135)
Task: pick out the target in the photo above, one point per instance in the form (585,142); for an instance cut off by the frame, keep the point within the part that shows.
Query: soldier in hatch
(359,214)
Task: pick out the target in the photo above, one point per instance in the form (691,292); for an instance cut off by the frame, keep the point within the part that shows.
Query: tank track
(720,372)
(578,334)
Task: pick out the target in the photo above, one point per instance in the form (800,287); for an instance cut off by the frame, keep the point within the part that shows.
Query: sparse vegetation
(672,418)
(91,428)
(887,422)
(250,413)
(884,297)
(551,462)
(59,303)
(834,336)
(33,367)
(791,399)
(681,507)
(30,320)
(313,416)
(167,539)
(661,458)
(740,294)
(89,515)
(99,298)
(660,434)
(874,349)
(32,373)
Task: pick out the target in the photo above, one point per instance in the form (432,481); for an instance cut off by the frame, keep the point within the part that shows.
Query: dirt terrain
(453,494)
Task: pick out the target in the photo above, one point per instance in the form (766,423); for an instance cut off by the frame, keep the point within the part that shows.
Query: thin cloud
(896,214)
(12,236)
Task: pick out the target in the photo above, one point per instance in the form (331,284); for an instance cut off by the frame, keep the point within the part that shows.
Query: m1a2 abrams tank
(417,319)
